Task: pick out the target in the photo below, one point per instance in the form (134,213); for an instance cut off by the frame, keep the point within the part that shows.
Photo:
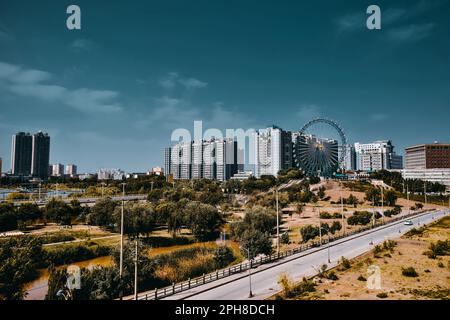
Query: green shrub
(409,272)
(345,263)
(382,295)
(361,278)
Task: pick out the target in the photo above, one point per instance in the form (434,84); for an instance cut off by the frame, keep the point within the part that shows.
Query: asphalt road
(264,278)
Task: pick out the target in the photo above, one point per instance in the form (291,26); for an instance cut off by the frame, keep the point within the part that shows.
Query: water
(37,289)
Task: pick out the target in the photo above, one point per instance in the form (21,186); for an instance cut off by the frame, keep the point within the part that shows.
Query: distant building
(57,170)
(71,170)
(441,176)
(272,151)
(202,159)
(110,174)
(85,176)
(1,163)
(167,161)
(158,171)
(242,175)
(378,155)
(21,152)
(40,155)
(428,156)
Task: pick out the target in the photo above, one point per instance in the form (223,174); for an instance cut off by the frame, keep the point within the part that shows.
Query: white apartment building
(378,155)
(272,151)
(71,170)
(441,176)
(57,170)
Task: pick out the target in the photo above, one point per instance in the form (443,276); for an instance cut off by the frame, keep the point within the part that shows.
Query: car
(408,223)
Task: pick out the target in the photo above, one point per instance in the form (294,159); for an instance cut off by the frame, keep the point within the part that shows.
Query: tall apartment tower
(197,159)
(181,160)
(57,170)
(40,155)
(71,170)
(272,151)
(167,161)
(226,159)
(21,154)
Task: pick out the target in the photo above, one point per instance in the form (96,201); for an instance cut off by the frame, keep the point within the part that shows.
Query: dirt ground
(432,282)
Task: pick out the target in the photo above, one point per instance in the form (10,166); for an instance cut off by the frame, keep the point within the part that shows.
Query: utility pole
(407,197)
(39,192)
(382,204)
(121,240)
(136,260)
(250,295)
(151,188)
(320,228)
(342,214)
(278,222)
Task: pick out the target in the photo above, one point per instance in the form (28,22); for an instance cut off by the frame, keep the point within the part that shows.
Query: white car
(408,223)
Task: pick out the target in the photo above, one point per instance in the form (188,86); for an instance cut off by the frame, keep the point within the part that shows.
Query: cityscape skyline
(248,67)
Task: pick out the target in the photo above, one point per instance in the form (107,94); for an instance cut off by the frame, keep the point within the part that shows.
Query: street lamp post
(136,260)
(342,214)
(121,239)
(250,294)
(382,204)
(320,228)
(278,222)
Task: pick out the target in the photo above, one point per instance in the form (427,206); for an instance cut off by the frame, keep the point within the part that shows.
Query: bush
(409,272)
(382,295)
(360,218)
(440,248)
(345,263)
(290,289)
(309,232)
(361,278)
(284,238)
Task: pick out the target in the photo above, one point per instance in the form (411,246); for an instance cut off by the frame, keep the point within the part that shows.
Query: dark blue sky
(111,94)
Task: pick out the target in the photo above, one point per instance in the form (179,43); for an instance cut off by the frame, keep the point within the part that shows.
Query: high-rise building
(57,170)
(40,155)
(71,170)
(21,154)
(167,161)
(272,151)
(349,163)
(428,156)
(226,159)
(203,159)
(110,174)
(1,163)
(378,155)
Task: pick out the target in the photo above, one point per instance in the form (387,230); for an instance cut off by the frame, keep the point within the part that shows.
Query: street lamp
(278,222)
(121,239)
(250,294)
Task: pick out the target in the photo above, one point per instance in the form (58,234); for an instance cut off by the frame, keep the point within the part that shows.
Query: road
(264,278)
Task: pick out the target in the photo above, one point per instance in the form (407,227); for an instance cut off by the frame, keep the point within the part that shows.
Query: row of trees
(202,219)
(20,217)
(395,180)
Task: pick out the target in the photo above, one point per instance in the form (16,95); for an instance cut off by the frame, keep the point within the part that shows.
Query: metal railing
(239,268)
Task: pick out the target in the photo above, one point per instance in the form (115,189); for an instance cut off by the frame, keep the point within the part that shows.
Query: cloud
(411,33)
(171,79)
(81,44)
(34,83)
(192,83)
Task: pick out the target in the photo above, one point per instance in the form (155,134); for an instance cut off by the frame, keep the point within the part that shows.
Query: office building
(21,153)
(272,151)
(441,176)
(57,170)
(167,161)
(40,155)
(428,156)
(378,155)
(71,170)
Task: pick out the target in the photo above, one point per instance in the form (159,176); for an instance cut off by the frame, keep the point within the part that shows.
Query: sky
(111,94)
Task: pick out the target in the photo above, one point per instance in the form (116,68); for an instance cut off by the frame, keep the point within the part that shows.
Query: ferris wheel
(320,147)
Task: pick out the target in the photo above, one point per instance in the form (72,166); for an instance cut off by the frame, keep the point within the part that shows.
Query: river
(37,289)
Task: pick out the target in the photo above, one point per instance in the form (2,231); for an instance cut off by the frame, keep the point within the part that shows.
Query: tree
(8,217)
(390,198)
(335,226)
(19,260)
(58,211)
(102,213)
(137,219)
(256,241)
(309,232)
(202,219)
(321,193)
(352,200)
(29,212)
(373,195)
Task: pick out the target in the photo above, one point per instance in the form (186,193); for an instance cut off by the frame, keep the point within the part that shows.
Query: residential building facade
(378,155)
